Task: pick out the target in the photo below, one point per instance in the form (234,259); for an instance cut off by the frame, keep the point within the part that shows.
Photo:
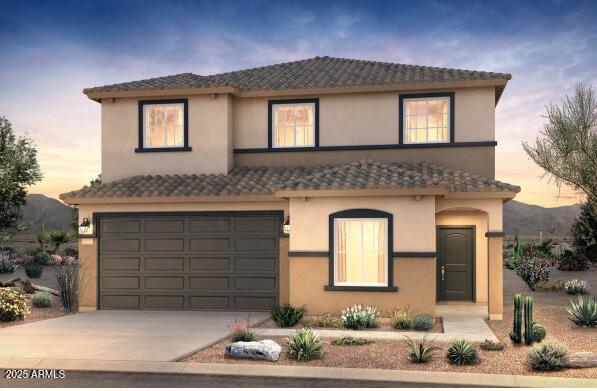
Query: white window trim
(404,129)
(275,125)
(385,252)
(148,105)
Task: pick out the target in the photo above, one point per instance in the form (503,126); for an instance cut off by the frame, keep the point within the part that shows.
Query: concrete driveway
(120,335)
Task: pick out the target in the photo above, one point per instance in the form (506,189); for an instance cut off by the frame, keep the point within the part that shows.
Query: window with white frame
(426,119)
(293,124)
(361,252)
(163,124)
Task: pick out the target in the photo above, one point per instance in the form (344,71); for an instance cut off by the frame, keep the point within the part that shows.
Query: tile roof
(317,72)
(364,174)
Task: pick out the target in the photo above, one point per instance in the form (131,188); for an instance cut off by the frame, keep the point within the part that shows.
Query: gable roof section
(317,72)
(264,181)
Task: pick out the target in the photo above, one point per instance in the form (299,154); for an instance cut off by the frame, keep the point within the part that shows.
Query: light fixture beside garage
(286,226)
(85,226)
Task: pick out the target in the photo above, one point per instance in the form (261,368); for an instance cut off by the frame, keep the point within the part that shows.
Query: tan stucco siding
(210,137)
(414,221)
(474,116)
(414,278)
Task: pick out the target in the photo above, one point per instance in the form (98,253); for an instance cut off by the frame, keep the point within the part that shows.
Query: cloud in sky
(51,51)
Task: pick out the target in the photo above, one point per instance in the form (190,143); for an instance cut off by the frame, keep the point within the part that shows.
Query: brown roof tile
(364,174)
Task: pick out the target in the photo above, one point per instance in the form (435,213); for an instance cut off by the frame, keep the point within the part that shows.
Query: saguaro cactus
(528,320)
(515,334)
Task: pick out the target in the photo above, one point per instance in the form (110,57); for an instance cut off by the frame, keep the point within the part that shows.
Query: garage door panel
(164,245)
(266,264)
(209,263)
(164,264)
(121,226)
(120,264)
(209,283)
(164,226)
(159,302)
(120,301)
(120,282)
(255,283)
(209,302)
(209,226)
(255,244)
(254,302)
(210,244)
(253,225)
(121,245)
(161,282)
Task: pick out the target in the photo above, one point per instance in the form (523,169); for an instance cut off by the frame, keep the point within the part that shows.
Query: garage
(188,261)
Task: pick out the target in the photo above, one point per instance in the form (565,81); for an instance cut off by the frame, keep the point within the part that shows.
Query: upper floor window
(293,123)
(163,125)
(426,118)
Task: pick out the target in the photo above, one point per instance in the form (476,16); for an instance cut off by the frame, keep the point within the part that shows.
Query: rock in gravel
(257,350)
(582,360)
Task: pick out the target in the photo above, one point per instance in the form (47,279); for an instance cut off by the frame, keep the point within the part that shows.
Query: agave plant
(462,353)
(421,351)
(583,312)
(304,345)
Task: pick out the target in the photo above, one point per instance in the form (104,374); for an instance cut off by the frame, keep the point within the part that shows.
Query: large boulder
(257,350)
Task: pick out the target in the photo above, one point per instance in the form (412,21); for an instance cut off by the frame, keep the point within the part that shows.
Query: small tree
(567,146)
(584,231)
(18,169)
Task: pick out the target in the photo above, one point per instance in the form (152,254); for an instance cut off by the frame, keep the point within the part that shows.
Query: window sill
(361,288)
(176,149)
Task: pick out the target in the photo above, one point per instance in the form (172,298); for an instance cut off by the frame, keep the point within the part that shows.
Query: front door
(455,263)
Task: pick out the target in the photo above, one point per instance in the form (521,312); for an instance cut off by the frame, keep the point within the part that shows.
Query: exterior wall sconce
(84,226)
(286,226)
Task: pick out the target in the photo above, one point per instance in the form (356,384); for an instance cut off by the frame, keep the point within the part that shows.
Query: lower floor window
(361,251)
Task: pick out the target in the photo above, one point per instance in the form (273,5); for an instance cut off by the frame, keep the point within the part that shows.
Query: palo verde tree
(18,169)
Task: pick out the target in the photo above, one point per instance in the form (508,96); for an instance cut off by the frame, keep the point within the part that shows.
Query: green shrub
(512,261)
(304,345)
(402,320)
(42,299)
(13,305)
(549,356)
(287,315)
(462,353)
(241,332)
(356,318)
(67,277)
(7,266)
(491,345)
(535,270)
(538,332)
(423,322)
(421,351)
(42,258)
(29,250)
(554,286)
(576,287)
(583,312)
(573,261)
(349,340)
(33,270)
(326,320)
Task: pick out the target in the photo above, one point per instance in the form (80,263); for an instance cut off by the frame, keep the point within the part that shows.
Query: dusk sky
(51,50)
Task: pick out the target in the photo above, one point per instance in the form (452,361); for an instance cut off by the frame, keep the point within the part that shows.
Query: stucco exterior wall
(210,137)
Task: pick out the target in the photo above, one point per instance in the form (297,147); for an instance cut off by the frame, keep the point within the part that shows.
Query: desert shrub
(555,286)
(326,320)
(13,305)
(421,351)
(512,261)
(423,322)
(572,261)
(535,270)
(491,345)
(584,231)
(349,340)
(42,258)
(583,312)
(545,247)
(33,270)
(576,287)
(67,277)
(287,315)
(58,238)
(538,332)
(29,250)
(549,356)
(241,332)
(71,252)
(462,353)
(42,299)
(402,320)
(304,345)
(357,318)
(7,266)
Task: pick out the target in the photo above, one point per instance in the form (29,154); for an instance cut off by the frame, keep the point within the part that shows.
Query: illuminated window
(293,123)
(361,252)
(163,124)
(426,119)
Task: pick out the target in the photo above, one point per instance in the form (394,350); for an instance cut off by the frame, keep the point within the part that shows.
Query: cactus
(528,320)
(515,334)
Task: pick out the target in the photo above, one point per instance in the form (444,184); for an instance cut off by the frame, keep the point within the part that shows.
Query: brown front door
(189,261)
(455,263)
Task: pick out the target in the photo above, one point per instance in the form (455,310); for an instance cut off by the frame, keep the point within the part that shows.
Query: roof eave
(75,200)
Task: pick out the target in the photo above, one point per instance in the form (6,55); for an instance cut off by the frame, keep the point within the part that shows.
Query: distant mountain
(528,220)
(44,212)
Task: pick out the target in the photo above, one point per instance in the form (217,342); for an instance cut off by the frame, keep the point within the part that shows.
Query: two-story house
(323,182)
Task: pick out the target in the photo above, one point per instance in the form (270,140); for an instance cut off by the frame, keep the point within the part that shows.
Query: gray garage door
(215,261)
